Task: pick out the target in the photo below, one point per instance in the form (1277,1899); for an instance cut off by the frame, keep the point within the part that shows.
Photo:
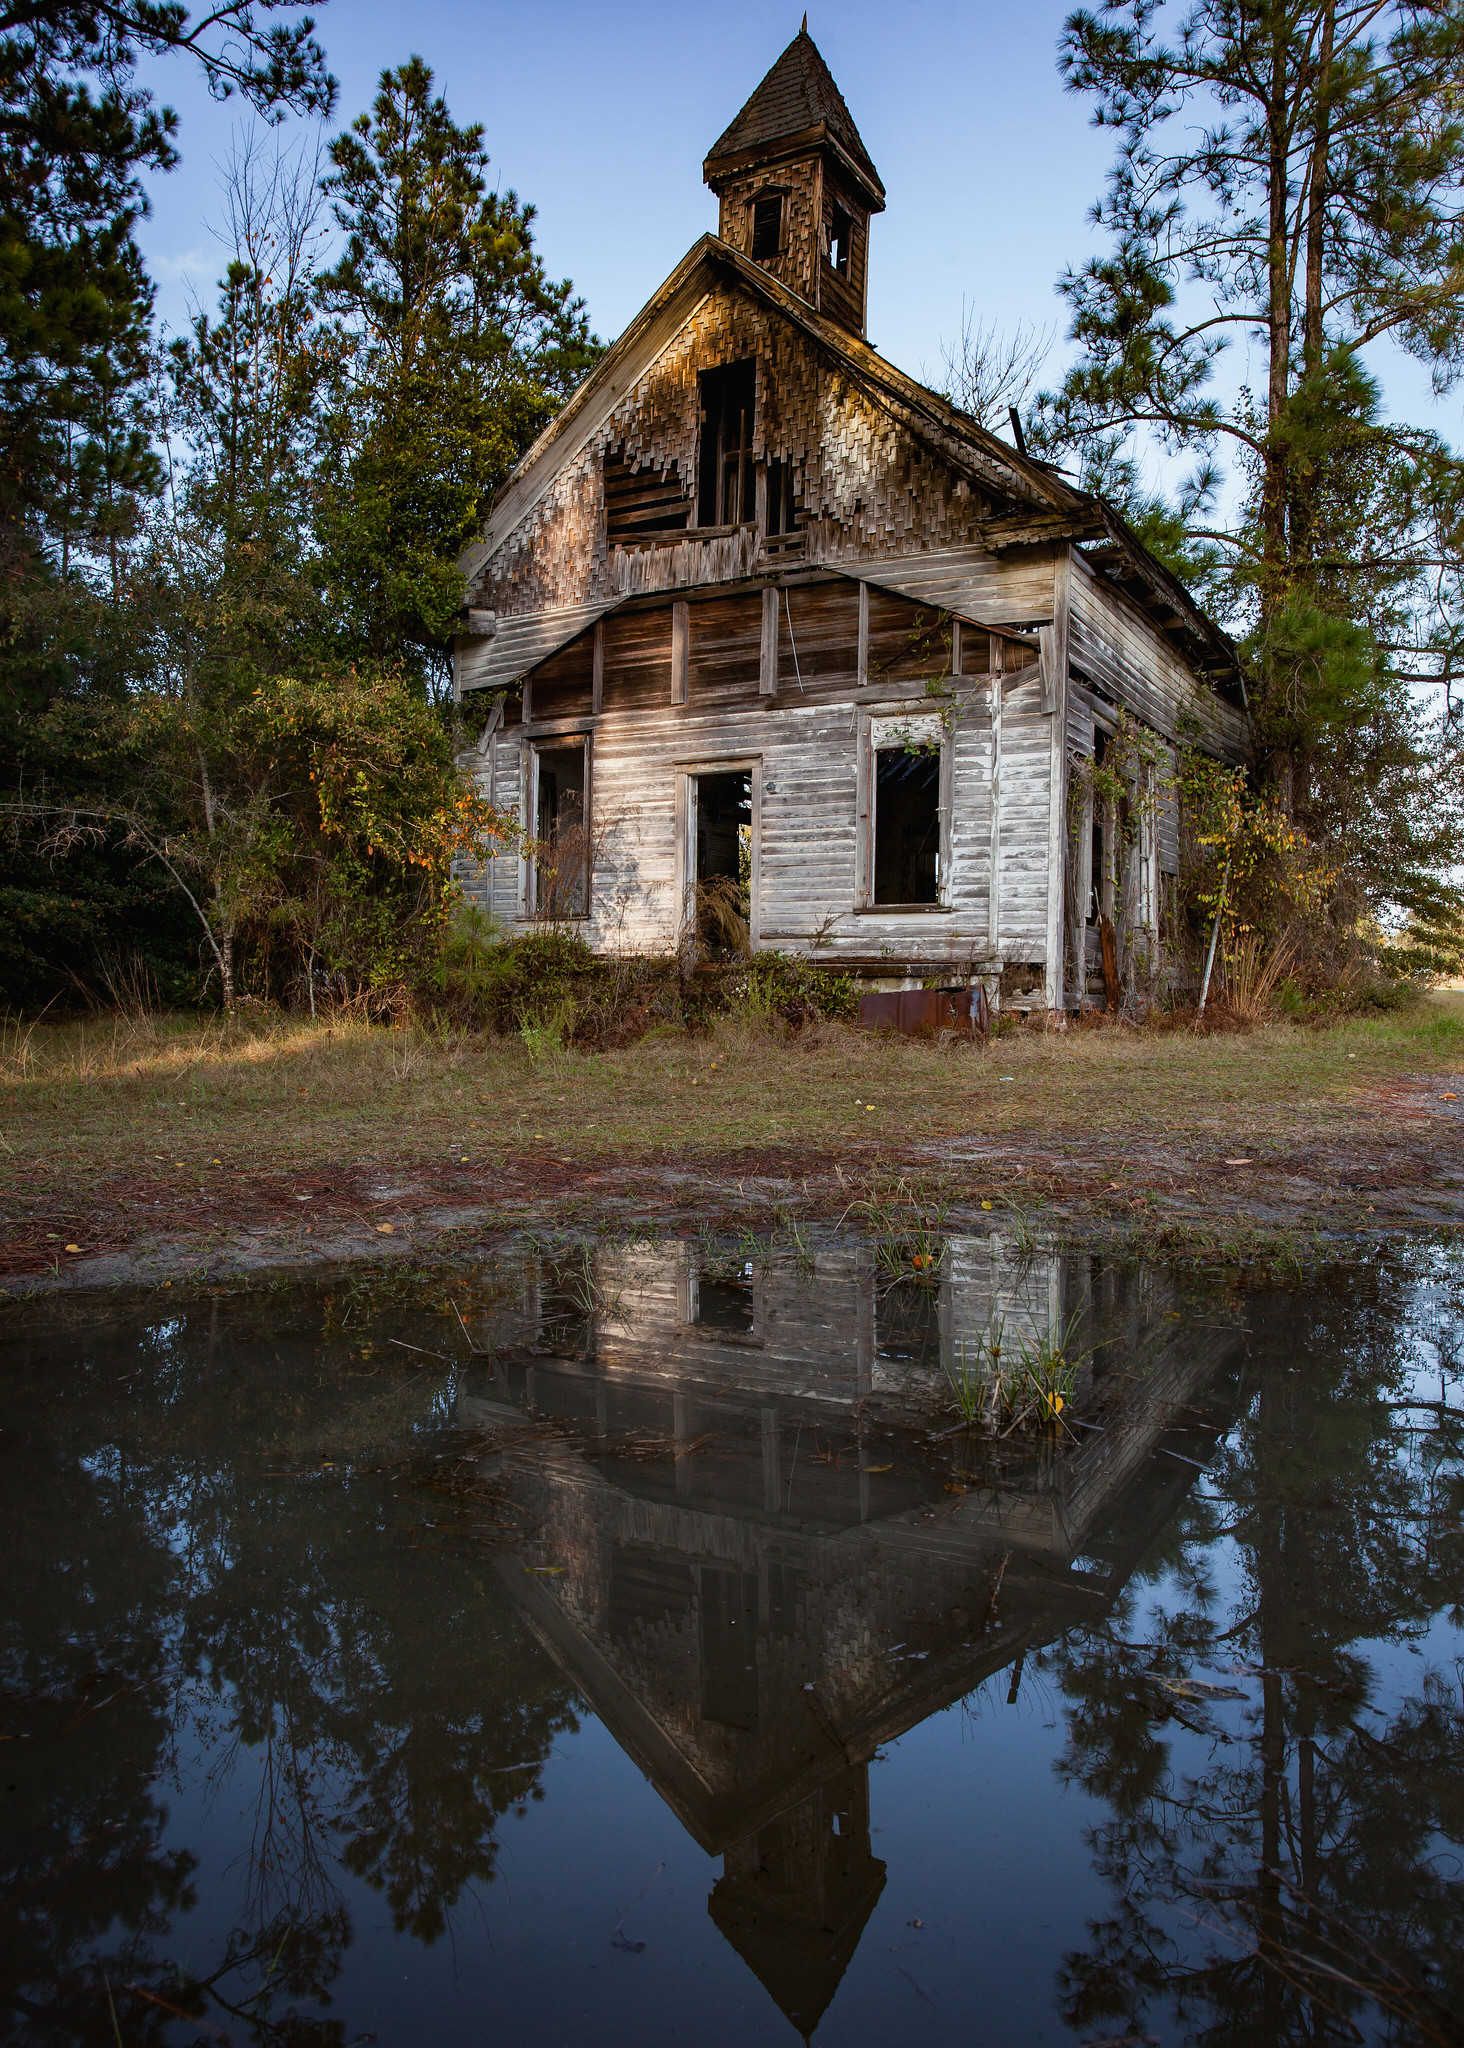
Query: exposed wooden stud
(862,666)
(993,891)
(863,812)
(957,649)
(767,669)
(1054,706)
(680,649)
(597,670)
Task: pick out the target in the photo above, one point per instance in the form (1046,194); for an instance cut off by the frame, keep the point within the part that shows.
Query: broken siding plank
(680,651)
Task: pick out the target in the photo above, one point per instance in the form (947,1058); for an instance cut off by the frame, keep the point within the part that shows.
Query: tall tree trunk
(1276,481)
(1313,337)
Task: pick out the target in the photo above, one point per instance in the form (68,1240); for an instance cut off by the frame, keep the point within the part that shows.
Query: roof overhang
(718,171)
(498,661)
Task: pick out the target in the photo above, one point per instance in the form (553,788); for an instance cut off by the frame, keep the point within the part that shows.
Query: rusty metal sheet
(925,1010)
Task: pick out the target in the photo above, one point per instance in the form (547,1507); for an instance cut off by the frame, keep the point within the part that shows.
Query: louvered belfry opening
(797,186)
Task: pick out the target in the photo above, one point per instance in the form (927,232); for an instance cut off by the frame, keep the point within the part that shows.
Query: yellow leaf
(385,1229)
(73,1247)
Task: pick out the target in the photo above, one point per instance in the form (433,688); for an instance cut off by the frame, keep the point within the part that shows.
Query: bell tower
(797,187)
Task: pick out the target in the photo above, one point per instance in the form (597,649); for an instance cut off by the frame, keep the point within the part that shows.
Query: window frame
(687,773)
(712,469)
(776,195)
(889,719)
(554,743)
(843,242)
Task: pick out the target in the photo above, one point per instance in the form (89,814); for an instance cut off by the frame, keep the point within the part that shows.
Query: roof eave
(717,170)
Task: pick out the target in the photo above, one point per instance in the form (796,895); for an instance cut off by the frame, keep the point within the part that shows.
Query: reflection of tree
(173,1599)
(1299,1882)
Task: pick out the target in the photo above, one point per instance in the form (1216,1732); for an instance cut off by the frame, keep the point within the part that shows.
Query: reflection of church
(773,1583)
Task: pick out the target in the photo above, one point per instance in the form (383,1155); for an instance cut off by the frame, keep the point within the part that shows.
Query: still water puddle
(671,1665)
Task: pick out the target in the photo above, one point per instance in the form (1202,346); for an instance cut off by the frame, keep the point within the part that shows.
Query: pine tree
(78,133)
(1291,175)
(456,348)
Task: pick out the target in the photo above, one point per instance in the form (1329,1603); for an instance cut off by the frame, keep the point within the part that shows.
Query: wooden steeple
(797,186)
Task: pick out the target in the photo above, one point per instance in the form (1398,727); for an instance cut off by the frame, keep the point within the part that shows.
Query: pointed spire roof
(797,106)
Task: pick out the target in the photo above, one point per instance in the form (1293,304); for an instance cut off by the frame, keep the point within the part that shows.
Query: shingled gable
(1040,505)
(1031,488)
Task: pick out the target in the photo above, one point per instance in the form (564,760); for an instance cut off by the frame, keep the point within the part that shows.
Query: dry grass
(82,1100)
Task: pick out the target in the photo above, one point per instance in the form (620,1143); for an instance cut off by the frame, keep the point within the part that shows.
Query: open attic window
(782,506)
(841,239)
(767,227)
(641,503)
(727,485)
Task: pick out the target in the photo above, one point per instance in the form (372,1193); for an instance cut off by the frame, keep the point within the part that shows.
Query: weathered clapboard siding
(1007,590)
(1026,767)
(563,686)
(1123,652)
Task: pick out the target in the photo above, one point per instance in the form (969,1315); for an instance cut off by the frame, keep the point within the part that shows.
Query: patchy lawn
(135,1149)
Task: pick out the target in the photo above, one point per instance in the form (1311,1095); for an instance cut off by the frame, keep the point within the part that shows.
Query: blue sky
(601,115)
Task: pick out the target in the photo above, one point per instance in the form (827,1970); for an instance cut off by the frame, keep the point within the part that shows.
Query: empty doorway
(723,862)
(562,873)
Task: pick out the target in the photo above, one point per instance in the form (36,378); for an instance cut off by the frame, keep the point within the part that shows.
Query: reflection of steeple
(755,1583)
(793,1899)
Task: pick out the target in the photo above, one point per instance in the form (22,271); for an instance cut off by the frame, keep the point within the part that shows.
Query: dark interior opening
(782,511)
(724,861)
(563,873)
(906,826)
(726,494)
(1095,890)
(726,1303)
(728,1615)
(841,239)
(767,226)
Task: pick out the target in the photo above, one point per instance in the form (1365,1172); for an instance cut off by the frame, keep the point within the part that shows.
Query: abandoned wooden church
(776,644)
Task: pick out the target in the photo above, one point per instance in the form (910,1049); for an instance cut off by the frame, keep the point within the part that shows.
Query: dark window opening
(562,872)
(908,1329)
(841,239)
(724,863)
(906,827)
(727,495)
(643,502)
(729,1646)
(726,1303)
(782,509)
(767,226)
(1095,889)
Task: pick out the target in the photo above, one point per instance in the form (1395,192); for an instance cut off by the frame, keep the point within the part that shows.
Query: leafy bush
(549,982)
(793,989)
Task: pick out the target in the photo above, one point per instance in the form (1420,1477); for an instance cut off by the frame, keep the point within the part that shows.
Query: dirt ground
(150,1151)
